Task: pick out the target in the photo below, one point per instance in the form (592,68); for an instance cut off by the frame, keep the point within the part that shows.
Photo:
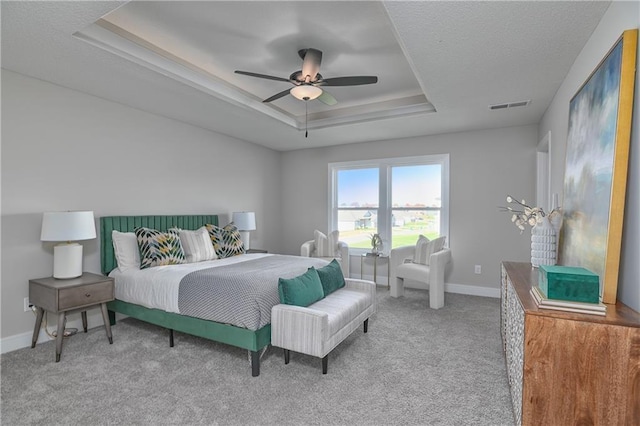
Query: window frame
(385,208)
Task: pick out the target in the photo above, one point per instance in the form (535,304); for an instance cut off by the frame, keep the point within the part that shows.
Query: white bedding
(158,287)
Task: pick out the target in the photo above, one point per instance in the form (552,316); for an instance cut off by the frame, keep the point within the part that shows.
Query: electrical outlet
(477,269)
(27,305)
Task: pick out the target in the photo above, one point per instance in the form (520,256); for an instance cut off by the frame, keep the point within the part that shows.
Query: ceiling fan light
(305,92)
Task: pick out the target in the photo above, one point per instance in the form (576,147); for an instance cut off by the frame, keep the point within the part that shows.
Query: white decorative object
(543,231)
(376,243)
(245,221)
(543,243)
(67,227)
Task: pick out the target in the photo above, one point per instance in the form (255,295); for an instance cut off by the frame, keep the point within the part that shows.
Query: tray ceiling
(440,64)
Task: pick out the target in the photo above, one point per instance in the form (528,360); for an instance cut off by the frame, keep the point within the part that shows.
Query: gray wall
(65,150)
(485,166)
(619,17)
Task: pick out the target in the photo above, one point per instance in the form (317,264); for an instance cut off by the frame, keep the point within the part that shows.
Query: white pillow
(425,248)
(326,246)
(197,245)
(125,246)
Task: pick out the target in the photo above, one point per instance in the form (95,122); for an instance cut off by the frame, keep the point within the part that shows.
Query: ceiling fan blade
(327,98)
(349,81)
(277,96)
(268,77)
(311,63)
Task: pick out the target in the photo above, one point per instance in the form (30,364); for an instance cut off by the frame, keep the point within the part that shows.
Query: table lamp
(245,221)
(67,227)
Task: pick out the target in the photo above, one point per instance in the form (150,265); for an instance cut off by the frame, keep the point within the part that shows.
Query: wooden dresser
(566,368)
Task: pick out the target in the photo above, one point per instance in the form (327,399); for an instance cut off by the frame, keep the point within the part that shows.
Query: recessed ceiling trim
(371,116)
(116,40)
(121,46)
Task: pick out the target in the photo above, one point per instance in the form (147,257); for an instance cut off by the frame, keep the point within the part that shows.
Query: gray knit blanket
(240,294)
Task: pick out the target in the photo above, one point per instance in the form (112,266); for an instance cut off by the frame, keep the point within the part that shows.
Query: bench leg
(170,338)
(366,325)
(325,362)
(286,356)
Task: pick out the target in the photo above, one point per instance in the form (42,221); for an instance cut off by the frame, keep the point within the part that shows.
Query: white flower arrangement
(523,214)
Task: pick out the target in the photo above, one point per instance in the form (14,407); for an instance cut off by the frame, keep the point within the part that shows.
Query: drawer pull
(87,295)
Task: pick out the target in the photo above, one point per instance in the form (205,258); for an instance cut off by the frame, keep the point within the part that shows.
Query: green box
(569,283)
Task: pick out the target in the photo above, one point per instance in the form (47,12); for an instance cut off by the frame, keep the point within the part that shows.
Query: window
(398,198)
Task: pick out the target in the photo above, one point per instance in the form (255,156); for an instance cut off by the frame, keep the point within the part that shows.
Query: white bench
(318,328)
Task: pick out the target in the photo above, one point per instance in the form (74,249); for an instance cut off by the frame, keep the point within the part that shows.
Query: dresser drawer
(76,297)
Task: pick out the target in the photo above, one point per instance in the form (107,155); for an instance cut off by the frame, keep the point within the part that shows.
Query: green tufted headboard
(129,223)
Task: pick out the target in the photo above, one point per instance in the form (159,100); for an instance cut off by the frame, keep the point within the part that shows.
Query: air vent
(510,105)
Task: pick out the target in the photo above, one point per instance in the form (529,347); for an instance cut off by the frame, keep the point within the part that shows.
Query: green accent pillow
(331,277)
(302,290)
(159,248)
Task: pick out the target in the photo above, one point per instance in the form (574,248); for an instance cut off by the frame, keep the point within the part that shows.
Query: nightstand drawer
(76,297)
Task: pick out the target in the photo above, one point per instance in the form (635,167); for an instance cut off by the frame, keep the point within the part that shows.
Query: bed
(253,337)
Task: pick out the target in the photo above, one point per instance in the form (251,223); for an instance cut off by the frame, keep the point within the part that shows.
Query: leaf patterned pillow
(159,248)
(226,241)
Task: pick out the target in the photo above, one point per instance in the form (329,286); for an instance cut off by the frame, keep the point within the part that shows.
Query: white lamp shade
(68,226)
(245,221)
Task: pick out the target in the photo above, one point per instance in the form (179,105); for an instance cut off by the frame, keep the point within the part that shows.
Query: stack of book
(567,305)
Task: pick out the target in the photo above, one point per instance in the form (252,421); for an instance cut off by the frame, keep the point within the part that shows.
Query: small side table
(375,257)
(62,296)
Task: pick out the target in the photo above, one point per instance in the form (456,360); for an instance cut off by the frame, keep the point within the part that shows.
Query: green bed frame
(253,341)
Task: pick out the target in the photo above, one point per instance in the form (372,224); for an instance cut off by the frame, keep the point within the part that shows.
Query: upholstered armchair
(402,267)
(308,249)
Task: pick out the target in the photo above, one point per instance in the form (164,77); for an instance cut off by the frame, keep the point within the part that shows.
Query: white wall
(485,166)
(65,150)
(619,17)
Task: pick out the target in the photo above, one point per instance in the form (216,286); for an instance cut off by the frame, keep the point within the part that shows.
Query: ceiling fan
(308,81)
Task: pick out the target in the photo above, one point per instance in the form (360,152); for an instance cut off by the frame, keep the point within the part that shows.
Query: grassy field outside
(402,235)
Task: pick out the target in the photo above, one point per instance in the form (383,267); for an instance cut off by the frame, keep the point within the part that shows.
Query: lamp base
(245,237)
(67,261)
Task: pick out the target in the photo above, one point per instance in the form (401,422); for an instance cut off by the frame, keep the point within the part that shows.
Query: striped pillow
(159,248)
(226,241)
(425,248)
(197,245)
(326,246)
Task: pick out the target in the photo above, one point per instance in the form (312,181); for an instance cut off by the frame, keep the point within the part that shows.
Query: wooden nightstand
(62,296)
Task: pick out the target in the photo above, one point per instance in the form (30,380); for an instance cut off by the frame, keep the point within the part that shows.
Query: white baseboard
(472,290)
(23,340)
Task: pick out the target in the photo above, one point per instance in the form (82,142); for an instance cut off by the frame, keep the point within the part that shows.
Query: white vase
(556,221)
(543,244)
